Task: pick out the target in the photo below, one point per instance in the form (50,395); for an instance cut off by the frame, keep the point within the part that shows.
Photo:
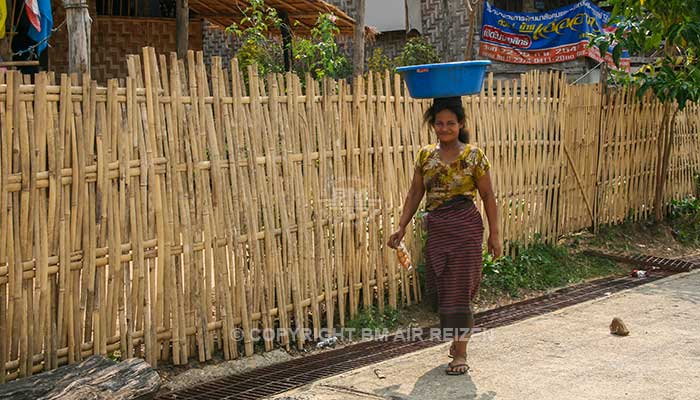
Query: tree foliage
(256,47)
(319,55)
(669,29)
(417,51)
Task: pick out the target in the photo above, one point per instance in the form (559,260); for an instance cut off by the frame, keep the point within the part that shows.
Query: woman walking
(451,172)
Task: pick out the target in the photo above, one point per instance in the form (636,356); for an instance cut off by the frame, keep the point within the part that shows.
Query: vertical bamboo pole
(561,97)
(236,301)
(165,290)
(336,192)
(180,214)
(311,195)
(307,281)
(24,248)
(366,245)
(131,189)
(264,176)
(357,205)
(41,234)
(240,181)
(318,179)
(290,183)
(152,101)
(220,197)
(376,256)
(115,295)
(5,221)
(272,141)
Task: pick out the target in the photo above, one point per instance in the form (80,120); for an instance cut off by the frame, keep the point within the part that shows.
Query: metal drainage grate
(279,378)
(693,259)
(684,264)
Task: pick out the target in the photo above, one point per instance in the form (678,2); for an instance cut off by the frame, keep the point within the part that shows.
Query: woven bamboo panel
(684,171)
(110,61)
(580,165)
(113,38)
(628,154)
(175,212)
(519,125)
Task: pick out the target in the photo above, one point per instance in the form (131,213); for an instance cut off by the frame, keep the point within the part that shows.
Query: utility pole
(358,54)
(182,20)
(473,6)
(79,22)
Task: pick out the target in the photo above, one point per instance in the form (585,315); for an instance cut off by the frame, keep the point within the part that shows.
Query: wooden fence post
(183,27)
(358,54)
(79,24)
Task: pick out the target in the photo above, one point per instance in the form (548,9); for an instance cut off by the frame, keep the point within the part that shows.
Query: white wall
(386,15)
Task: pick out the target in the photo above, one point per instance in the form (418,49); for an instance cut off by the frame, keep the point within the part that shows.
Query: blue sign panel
(544,38)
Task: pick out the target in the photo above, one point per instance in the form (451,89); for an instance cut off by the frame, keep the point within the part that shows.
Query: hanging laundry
(45,22)
(3,17)
(32,9)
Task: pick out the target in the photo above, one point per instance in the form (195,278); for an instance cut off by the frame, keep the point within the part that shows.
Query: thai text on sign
(545,38)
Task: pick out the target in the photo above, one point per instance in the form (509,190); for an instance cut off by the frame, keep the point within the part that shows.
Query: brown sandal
(455,369)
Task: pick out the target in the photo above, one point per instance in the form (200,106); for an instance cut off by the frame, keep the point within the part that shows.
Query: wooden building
(446,23)
(122,27)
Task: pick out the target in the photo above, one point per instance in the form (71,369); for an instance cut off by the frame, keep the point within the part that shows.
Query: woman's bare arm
(495,246)
(410,205)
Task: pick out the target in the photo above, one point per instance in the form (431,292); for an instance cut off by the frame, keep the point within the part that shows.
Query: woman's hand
(395,238)
(495,246)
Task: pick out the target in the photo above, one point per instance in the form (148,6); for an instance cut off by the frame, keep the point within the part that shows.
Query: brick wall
(113,38)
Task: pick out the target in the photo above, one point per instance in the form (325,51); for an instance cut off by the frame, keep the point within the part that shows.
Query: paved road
(568,354)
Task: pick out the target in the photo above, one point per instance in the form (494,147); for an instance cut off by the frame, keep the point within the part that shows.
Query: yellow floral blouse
(444,182)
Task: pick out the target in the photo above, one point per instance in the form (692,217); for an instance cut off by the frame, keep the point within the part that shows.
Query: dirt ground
(641,238)
(631,239)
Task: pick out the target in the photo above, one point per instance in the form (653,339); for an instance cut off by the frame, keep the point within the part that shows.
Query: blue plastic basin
(445,80)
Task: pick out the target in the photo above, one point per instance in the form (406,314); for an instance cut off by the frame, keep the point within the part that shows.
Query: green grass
(540,267)
(371,318)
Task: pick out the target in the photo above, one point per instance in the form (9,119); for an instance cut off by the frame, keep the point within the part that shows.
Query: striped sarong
(454,261)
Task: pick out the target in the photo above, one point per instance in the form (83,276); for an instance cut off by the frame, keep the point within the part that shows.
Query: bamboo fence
(173,213)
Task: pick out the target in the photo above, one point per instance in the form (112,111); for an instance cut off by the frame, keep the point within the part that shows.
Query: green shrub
(684,217)
(378,61)
(254,34)
(320,55)
(416,51)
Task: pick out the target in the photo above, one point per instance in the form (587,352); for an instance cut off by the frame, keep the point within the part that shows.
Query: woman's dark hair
(453,104)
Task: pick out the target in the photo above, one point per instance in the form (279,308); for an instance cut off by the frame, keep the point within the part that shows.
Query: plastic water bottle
(404,257)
